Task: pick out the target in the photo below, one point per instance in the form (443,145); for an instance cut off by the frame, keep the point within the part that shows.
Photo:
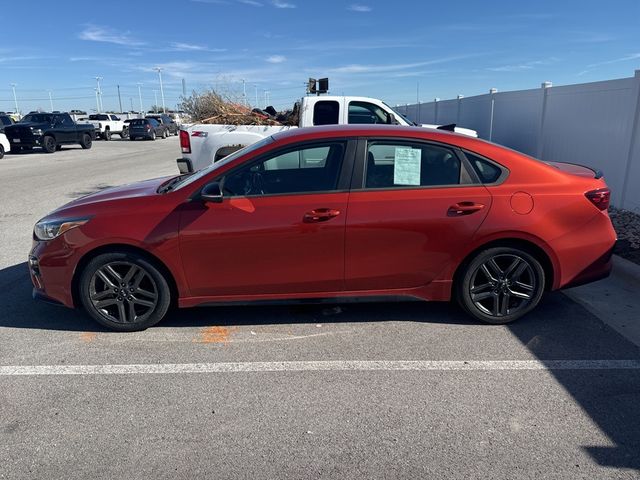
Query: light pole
(50,100)
(155,104)
(140,95)
(159,70)
(244,92)
(99,95)
(97,101)
(15,98)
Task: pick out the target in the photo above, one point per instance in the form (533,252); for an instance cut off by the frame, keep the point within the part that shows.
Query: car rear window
(139,121)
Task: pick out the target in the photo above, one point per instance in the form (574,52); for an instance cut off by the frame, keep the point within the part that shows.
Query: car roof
(366,130)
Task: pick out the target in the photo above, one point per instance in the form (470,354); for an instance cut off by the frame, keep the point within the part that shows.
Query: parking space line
(306,366)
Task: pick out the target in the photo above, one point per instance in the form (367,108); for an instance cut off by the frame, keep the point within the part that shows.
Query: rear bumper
(598,270)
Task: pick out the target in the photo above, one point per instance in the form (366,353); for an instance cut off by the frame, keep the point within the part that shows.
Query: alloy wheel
(123,292)
(505,284)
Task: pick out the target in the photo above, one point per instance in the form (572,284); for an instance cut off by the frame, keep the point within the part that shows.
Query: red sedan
(328,213)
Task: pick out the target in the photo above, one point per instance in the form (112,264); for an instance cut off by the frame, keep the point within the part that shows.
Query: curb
(626,269)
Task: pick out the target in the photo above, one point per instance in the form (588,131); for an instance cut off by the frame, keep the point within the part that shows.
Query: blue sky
(373,48)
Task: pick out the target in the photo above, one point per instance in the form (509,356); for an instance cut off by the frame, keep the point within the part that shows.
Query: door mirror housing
(212,193)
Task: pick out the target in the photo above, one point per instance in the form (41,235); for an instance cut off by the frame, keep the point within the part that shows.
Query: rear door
(414,205)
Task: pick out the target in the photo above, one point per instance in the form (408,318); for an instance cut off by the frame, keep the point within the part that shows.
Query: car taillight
(185,142)
(148,127)
(600,198)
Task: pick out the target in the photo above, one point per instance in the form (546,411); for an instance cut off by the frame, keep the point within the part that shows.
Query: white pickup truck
(203,144)
(106,124)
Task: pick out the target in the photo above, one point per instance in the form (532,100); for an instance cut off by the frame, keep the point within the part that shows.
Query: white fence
(594,124)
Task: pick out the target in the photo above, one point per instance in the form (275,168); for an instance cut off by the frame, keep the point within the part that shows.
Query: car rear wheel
(501,285)
(1,152)
(49,144)
(165,134)
(124,133)
(86,141)
(107,135)
(124,291)
(153,135)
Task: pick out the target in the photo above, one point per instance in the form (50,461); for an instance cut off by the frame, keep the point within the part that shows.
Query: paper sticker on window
(406,168)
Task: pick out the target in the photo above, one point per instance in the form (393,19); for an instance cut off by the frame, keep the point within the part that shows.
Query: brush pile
(211,107)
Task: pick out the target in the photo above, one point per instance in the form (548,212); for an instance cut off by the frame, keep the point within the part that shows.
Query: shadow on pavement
(558,329)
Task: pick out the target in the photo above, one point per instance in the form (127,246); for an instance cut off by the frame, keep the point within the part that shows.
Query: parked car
(50,131)
(204,144)
(172,126)
(332,212)
(5,120)
(4,145)
(147,128)
(106,124)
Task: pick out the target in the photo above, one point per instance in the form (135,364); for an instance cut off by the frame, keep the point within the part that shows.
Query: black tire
(49,144)
(124,133)
(86,142)
(500,278)
(165,134)
(1,152)
(107,135)
(153,135)
(106,304)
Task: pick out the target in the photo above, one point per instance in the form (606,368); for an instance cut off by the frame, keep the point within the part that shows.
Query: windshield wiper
(170,185)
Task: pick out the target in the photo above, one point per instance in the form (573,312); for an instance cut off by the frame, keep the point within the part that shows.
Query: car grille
(23,133)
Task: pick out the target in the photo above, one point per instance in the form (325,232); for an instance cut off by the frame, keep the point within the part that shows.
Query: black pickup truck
(49,131)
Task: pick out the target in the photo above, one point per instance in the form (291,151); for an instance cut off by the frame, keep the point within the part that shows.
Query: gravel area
(627,225)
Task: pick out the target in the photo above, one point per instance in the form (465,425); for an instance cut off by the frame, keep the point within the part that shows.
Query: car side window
(326,112)
(65,120)
(487,171)
(401,165)
(314,168)
(366,113)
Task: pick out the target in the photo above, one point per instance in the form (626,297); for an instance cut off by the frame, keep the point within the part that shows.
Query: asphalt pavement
(377,390)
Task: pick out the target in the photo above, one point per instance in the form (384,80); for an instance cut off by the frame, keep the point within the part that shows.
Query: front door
(279,230)
(415,209)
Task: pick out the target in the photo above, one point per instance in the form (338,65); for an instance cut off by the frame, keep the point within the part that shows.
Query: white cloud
(627,58)
(358,7)
(253,3)
(96,33)
(276,59)
(184,47)
(281,4)
(357,68)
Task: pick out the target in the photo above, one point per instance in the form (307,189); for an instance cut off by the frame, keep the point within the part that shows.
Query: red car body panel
(381,242)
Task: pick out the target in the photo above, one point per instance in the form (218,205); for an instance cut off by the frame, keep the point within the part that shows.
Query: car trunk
(575,169)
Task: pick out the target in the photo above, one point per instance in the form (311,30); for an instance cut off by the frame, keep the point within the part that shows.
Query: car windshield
(37,118)
(214,166)
(98,117)
(397,113)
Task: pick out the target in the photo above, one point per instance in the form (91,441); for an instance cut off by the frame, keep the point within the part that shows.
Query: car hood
(28,125)
(146,188)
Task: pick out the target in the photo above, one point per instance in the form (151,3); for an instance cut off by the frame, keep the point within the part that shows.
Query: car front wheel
(124,291)
(500,285)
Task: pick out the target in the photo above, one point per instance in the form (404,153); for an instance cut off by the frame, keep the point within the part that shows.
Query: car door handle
(464,208)
(320,215)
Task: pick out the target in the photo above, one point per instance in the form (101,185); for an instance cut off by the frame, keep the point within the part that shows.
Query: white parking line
(322,366)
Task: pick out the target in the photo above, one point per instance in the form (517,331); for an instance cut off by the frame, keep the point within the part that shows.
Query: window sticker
(406,168)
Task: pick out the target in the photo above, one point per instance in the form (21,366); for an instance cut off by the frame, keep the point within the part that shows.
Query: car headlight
(50,229)
(36,131)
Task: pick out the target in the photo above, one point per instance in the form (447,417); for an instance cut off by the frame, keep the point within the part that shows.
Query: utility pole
(15,98)
(159,70)
(50,100)
(256,86)
(131,101)
(244,92)
(140,96)
(155,105)
(184,88)
(97,101)
(265,99)
(99,95)
(119,99)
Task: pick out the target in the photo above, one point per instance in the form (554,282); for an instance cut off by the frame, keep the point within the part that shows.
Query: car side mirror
(391,119)
(212,193)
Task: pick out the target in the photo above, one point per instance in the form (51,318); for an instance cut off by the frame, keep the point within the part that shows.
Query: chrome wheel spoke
(122,312)
(524,296)
(518,271)
(524,286)
(504,304)
(487,273)
(151,295)
(478,297)
(496,304)
(138,278)
(495,267)
(481,288)
(132,311)
(103,276)
(115,275)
